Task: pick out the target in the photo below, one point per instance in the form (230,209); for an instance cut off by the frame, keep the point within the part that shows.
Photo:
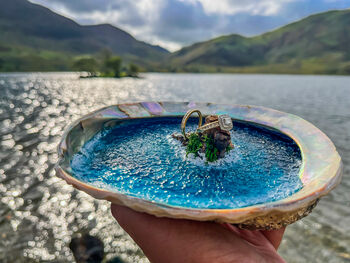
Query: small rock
(87,249)
(222,139)
(180,137)
(221,142)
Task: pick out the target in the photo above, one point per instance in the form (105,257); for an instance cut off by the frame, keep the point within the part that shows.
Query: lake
(39,213)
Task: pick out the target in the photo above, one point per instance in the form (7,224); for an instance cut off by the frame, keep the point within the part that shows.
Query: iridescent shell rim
(320,172)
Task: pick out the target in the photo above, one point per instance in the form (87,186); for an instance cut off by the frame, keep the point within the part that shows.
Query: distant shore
(247,72)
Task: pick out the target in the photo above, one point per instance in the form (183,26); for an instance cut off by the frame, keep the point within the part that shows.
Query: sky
(173,24)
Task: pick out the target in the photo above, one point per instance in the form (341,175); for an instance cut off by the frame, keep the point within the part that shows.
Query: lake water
(39,213)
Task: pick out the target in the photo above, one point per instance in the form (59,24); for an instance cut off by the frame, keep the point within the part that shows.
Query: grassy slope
(33,38)
(319,44)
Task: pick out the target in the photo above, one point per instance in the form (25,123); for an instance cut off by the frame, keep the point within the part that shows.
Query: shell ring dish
(277,169)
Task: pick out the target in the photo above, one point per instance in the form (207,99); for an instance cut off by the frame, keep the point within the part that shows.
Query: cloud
(181,22)
(253,7)
(175,23)
(84,6)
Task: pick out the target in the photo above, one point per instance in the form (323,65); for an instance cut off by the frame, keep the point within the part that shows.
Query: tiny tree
(86,64)
(133,70)
(113,65)
(104,54)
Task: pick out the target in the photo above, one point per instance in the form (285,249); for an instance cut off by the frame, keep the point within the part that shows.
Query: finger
(254,237)
(274,236)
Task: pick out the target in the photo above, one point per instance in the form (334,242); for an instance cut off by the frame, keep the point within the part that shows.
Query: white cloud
(175,23)
(253,7)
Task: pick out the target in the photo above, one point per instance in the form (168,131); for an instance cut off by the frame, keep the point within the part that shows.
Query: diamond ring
(224,122)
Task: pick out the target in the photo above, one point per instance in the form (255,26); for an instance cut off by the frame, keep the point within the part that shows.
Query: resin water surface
(140,158)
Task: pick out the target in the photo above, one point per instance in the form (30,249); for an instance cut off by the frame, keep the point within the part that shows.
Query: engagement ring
(224,122)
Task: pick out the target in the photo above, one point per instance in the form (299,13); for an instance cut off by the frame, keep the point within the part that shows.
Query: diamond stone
(225,122)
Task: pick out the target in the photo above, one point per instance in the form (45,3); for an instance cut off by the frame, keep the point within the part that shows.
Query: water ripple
(39,213)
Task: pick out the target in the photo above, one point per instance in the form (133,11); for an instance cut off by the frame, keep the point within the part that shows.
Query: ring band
(224,122)
(185,119)
(209,126)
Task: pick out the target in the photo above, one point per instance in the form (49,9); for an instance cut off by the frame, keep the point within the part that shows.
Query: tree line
(105,64)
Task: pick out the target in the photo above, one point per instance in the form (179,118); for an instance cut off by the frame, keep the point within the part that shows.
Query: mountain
(33,38)
(29,31)
(318,44)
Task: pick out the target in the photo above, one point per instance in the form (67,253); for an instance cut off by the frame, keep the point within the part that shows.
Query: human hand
(176,240)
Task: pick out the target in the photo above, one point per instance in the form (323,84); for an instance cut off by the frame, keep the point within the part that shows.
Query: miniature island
(212,140)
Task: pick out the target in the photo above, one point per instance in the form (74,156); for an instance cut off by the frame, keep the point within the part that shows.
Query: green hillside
(33,38)
(318,44)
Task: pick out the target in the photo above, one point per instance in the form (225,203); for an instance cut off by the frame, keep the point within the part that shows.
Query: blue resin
(140,158)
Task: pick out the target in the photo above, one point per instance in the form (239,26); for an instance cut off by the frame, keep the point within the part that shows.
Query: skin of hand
(165,240)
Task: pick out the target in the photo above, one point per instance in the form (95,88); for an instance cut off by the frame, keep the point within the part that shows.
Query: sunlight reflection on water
(39,213)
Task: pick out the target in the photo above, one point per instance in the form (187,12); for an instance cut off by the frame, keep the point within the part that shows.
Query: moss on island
(198,143)
(194,144)
(211,152)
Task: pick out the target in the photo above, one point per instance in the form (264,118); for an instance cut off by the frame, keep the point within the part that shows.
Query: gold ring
(185,119)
